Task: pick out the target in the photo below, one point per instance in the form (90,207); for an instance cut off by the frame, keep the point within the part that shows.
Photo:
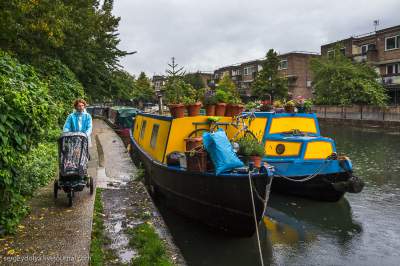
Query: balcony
(391,80)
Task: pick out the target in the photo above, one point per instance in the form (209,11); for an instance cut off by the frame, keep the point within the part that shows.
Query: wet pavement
(126,202)
(53,233)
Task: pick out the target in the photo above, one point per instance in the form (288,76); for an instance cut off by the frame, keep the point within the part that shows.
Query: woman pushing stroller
(79,120)
(74,153)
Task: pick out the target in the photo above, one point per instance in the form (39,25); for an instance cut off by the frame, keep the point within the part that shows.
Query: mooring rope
(303,179)
(255,220)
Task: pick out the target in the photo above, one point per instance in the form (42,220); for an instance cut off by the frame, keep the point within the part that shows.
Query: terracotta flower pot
(237,109)
(193,109)
(210,110)
(177,110)
(229,109)
(240,109)
(256,160)
(220,109)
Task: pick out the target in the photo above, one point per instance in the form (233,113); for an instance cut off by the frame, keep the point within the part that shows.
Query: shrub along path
(53,233)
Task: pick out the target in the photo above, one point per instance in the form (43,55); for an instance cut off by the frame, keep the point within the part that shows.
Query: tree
(195,80)
(175,87)
(226,84)
(268,80)
(122,86)
(143,91)
(81,34)
(339,81)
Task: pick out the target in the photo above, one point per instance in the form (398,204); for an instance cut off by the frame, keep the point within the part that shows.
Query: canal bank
(360,116)
(360,229)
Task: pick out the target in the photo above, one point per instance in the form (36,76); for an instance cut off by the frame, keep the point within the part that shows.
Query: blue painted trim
(160,117)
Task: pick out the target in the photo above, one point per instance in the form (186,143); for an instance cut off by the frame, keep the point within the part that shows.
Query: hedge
(30,114)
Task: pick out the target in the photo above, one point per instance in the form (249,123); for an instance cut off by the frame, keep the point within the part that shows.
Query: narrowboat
(121,119)
(223,201)
(305,163)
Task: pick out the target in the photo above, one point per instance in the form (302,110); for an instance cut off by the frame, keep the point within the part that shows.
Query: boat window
(143,129)
(154,134)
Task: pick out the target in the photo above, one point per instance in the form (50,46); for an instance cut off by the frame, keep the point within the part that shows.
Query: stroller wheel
(91,185)
(70,196)
(55,191)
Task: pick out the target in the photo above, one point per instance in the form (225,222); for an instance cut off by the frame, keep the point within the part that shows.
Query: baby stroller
(73,154)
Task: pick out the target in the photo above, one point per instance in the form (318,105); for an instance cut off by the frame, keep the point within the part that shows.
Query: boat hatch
(286,124)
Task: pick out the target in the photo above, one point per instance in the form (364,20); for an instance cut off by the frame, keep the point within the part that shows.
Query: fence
(360,113)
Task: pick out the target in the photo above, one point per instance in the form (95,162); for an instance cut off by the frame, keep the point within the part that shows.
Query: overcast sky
(207,34)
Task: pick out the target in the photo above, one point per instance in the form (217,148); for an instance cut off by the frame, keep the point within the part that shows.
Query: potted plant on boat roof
(235,106)
(303,105)
(209,100)
(251,150)
(278,106)
(191,100)
(221,98)
(252,106)
(289,106)
(174,93)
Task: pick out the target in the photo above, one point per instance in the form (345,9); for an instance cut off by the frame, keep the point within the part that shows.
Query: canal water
(360,229)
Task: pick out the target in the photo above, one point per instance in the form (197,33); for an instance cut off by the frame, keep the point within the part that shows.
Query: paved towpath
(125,200)
(53,233)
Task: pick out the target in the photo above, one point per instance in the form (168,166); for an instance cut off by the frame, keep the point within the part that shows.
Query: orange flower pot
(177,110)
(220,109)
(193,109)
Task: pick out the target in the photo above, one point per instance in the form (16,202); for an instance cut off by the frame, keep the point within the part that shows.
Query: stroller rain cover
(73,154)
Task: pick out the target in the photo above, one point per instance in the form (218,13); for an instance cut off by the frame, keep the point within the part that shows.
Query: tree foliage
(268,80)
(176,89)
(339,81)
(81,34)
(228,86)
(143,91)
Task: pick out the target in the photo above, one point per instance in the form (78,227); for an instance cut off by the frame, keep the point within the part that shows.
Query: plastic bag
(221,152)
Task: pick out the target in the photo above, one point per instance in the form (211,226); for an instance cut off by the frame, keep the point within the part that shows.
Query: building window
(248,70)
(364,49)
(142,129)
(392,42)
(331,54)
(393,69)
(343,50)
(283,64)
(236,72)
(367,47)
(154,134)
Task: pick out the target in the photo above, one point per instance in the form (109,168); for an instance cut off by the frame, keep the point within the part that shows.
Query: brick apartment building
(294,66)
(380,49)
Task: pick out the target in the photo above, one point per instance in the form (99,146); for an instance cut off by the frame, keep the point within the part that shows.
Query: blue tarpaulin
(221,151)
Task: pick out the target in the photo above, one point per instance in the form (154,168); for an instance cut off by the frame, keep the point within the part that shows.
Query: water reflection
(290,220)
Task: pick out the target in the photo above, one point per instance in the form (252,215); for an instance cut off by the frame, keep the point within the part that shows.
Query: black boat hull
(222,202)
(324,187)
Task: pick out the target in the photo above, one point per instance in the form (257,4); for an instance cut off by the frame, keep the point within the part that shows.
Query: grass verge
(150,247)
(99,255)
